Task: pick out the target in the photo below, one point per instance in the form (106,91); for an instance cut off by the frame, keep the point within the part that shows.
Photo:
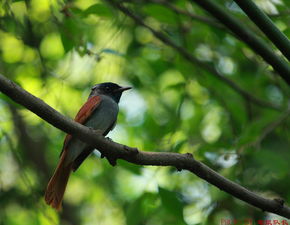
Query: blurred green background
(58,49)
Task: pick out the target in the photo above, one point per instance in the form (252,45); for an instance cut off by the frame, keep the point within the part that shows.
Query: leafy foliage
(58,49)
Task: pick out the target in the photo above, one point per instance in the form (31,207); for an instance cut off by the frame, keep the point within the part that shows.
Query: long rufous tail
(57,184)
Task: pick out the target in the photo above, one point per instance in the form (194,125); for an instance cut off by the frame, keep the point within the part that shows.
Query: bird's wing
(83,115)
(87,109)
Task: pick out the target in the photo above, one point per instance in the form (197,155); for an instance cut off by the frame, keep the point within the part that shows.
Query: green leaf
(67,43)
(172,204)
(253,130)
(160,13)
(131,167)
(272,162)
(179,144)
(98,9)
(138,211)
(178,86)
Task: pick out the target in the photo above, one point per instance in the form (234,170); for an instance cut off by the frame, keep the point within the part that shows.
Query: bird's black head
(111,89)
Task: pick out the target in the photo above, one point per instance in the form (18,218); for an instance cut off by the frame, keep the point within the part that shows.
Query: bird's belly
(102,119)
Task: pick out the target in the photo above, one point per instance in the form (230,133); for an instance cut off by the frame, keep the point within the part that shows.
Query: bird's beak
(121,89)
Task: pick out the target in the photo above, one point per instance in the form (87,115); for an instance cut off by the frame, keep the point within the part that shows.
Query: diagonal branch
(182,51)
(266,25)
(255,43)
(118,151)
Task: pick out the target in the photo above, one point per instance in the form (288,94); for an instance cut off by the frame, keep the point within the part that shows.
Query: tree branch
(255,43)
(266,25)
(118,151)
(182,51)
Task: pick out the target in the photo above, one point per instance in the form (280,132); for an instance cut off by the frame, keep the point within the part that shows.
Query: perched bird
(100,113)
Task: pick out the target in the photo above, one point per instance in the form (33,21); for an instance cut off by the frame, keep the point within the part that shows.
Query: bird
(100,113)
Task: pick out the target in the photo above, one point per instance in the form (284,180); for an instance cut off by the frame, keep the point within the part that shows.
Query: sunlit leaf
(98,9)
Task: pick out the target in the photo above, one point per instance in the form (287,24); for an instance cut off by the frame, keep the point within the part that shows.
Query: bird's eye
(107,88)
